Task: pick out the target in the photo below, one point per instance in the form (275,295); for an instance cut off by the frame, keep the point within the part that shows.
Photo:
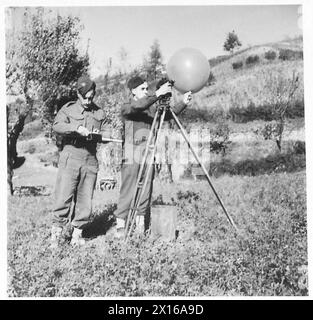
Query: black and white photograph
(156,150)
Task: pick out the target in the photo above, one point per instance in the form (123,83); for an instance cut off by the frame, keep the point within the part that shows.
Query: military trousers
(75,184)
(129,175)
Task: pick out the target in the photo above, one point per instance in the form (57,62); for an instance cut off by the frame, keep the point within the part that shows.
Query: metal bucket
(164,222)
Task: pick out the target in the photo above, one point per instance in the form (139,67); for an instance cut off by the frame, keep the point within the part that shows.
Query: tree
(232,42)
(123,58)
(280,91)
(153,65)
(43,62)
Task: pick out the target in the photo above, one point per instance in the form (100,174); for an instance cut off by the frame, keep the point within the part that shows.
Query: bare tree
(280,91)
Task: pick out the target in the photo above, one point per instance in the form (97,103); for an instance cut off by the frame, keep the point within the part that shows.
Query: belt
(78,143)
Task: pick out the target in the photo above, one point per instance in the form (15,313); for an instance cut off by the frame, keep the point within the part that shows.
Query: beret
(161,82)
(84,84)
(135,82)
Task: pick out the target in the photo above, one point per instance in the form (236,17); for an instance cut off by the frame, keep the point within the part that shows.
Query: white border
(308,54)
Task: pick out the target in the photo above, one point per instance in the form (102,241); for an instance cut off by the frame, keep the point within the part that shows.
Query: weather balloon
(189,69)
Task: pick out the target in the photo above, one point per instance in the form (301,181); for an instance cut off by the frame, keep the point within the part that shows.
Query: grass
(268,257)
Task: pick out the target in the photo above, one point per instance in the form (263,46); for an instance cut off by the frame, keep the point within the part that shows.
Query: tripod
(147,162)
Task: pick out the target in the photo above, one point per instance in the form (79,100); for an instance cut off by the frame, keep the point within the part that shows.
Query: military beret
(161,82)
(84,84)
(134,82)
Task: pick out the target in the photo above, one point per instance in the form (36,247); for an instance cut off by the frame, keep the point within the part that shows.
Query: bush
(215,61)
(270,55)
(298,147)
(291,162)
(242,115)
(287,54)
(264,112)
(219,141)
(237,65)
(295,110)
(202,115)
(252,59)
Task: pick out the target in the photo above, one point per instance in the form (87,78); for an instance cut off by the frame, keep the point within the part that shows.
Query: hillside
(250,83)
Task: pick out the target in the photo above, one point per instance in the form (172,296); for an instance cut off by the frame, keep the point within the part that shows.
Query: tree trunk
(280,134)
(13,161)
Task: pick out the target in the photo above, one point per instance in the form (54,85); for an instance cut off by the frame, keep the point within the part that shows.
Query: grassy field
(267,257)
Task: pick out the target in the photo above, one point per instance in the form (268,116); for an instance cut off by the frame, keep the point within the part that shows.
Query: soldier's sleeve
(62,124)
(132,107)
(151,111)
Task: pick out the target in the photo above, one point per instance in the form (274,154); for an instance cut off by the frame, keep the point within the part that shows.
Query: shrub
(242,115)
(287,54)
(211,79)
(252,59)
(264,112)
(219,141)
(237,65)
(270,55)
(202,115)
(295,109)
(215,61)
(272,164)
(298,147)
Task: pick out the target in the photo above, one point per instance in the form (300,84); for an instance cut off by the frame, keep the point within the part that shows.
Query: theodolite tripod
(147,162)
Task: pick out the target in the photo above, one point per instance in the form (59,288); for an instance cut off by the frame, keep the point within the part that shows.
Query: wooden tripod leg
(140,189)
(141,169)
(184,134)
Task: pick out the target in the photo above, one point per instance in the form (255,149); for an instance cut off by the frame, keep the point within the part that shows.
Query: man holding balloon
(189,70)
(138,113)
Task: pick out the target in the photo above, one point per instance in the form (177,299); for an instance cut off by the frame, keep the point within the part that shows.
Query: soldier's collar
(85,109)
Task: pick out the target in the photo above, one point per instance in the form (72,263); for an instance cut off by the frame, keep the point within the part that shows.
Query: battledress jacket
(72,115)
(137,116)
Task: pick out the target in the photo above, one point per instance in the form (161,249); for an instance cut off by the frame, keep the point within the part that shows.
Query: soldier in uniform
(78,164)
(138,113)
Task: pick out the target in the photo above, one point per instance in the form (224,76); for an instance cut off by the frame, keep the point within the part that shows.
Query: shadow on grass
(271,164)
(102,222)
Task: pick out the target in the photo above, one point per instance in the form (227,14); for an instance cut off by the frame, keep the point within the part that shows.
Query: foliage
(43,61)
(237,65)
(270,131)
(217,60)
(153,66)
(270,55)
(219,138)
(289,162)
(232,42)
(299,147)
(252,59)
(264,112)
(287,54)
